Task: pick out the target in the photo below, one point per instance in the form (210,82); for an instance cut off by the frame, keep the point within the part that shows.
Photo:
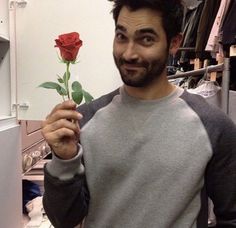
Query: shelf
(3,117)
(7,122)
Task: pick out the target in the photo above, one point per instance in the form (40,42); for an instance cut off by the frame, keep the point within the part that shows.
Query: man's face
(140,46)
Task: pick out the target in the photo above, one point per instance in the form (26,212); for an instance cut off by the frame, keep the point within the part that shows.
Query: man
(149,153)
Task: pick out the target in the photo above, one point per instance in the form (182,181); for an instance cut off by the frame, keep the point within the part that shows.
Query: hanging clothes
(211,91)
(229,26)
(207,89)
(210,10)
(192,14)
(213,41)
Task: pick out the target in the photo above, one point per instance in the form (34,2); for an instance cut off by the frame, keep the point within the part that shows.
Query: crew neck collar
(130,99)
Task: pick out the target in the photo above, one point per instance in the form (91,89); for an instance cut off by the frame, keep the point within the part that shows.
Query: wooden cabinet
(34,147)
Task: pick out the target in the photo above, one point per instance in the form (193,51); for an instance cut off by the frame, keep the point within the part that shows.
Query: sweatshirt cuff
(66,169)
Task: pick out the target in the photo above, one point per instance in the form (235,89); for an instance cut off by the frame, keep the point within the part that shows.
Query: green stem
(67,80)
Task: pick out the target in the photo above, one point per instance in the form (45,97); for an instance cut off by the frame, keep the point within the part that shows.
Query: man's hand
(61,129)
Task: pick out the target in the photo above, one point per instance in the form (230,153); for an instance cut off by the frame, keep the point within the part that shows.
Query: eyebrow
(147,30)
(140,31)
(120,27)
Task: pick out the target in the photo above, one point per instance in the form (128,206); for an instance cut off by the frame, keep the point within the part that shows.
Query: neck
(158,89)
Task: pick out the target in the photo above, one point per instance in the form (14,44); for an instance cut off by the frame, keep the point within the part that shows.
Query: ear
(175,44)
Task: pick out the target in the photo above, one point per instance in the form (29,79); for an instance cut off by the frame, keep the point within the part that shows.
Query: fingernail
(80,116)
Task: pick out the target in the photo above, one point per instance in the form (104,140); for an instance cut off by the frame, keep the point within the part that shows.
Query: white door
(38,23)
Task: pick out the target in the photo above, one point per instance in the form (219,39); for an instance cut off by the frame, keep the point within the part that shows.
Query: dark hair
(171,12)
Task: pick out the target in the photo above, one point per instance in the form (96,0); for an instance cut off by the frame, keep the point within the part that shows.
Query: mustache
(133,62)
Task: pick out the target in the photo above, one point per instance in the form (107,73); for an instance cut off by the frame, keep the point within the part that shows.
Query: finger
(64,114)
(69,104)
(69,115)
(62,123)
(77,125)
(55,138)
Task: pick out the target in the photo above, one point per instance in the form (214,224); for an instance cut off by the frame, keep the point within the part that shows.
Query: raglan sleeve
(221,175)
(66,195)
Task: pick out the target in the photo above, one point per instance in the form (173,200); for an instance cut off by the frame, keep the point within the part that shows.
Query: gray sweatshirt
(146,164)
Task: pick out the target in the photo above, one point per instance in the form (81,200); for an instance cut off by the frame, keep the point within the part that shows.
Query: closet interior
(205,65)
(206,62)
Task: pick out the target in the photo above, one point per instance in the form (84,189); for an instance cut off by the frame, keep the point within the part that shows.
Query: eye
(120,37)
(147,40)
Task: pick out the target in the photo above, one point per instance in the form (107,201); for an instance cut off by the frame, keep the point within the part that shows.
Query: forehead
(140,19)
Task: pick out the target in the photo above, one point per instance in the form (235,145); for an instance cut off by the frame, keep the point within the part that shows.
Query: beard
(144,75)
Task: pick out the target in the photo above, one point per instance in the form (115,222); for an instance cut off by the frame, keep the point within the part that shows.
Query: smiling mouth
(131,67)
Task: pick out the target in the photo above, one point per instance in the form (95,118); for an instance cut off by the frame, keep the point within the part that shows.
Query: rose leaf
(76,86)
(87,97)
(54,85)
(60,79)
(49,85)
(77,97)
(61,91)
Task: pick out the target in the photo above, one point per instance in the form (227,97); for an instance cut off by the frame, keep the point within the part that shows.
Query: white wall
(37,25)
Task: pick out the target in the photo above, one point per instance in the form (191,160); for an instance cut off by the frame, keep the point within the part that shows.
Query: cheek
(159,52)
(153,56)
(117,50)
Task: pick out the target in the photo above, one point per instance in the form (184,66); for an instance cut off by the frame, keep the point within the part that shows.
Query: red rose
(69,45)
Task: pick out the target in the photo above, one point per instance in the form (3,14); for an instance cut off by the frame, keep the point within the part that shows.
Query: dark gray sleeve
(221,170)
(65,202)
(221,176)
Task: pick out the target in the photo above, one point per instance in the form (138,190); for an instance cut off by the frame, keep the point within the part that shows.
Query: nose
(130,53)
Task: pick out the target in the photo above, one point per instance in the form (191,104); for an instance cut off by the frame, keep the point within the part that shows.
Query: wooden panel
(34,154)
(30,133)
(33,126)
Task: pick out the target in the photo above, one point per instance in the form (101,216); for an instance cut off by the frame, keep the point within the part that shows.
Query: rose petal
(69,45)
